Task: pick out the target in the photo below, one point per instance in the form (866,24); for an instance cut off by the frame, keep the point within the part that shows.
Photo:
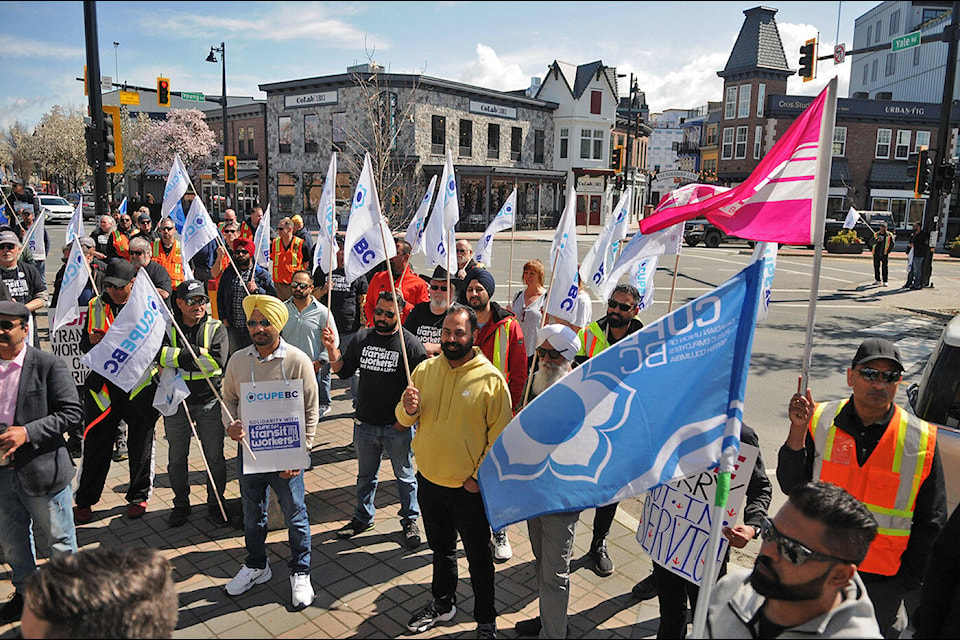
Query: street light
(223,103)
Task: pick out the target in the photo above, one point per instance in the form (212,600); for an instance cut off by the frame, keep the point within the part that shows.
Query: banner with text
(274,422)
(65,344)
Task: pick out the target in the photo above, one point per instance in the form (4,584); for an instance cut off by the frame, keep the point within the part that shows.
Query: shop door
(595,203)
(582,210)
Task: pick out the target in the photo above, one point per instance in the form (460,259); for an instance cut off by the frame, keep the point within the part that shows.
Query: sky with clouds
(674,48)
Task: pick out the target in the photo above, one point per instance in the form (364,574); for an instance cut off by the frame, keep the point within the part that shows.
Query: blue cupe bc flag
(663,403)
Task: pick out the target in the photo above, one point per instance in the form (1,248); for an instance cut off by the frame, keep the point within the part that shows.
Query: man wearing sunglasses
(141,256)
(410,287)
(804,582)
(376,354)
(619,322)
(22,280)
(106,405)
(231,292)
(167,251)
(426,318)
(885,457)
(209,341)
(308,317)
(145,228)
(288,254)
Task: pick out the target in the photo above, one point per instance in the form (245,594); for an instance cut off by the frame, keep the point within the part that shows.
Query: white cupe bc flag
(368,241)
(851,220)
(33,239)
(172,389)
(641,276)
(417,226)
(599,260)
(198,231)
(75,226)
(505,219)
(767,252)
(261,240)
(659,243)
(564,288)
(438,239)
(127,351)
(75,276)
(325,251)
(176,187)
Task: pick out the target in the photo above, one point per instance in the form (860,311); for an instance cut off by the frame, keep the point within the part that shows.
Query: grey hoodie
(734,604)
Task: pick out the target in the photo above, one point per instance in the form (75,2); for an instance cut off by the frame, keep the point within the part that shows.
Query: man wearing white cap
(551,535)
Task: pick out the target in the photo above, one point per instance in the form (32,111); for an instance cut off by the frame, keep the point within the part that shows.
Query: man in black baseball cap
(884,456)
(210,344)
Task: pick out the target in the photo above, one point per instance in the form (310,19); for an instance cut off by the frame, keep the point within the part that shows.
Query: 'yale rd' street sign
(908,41)
(196,97)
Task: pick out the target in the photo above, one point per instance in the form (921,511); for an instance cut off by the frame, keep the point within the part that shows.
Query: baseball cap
(119,273)
(17,181)
(877,349)
(87,241)
(144,217)
(9,237)
(190,289)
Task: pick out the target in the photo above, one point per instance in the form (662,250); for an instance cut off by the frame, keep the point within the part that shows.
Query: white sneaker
(301,591)
(325,410)
(246,578)
(502,551)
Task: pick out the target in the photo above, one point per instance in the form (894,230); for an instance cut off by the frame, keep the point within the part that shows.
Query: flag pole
(393,288)
(333,256)
(673,285)
(819,214)
(713,549)
(513,235)
(13,214)
(543,322)
(203,457)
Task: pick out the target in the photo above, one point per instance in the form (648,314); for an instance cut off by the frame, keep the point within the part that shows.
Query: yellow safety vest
(170,355)
(172,261)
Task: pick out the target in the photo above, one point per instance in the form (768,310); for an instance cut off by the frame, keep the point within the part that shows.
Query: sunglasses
(551,353)
(377,311)
(7,325)
(790,550)
(613,304)
(872,375)
(107,285)
(167,228)
(241,252)
(263,323)
(7,247)
(300,285)
(229,231)
(143,222)
(436,287)
(137,253)
(196,301)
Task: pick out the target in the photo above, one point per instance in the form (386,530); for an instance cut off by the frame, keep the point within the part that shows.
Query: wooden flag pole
(203,457)
(393,288)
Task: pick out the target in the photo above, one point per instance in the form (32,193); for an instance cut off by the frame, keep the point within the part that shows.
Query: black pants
(881,263)
(602,521)
(101,431)
(673,592)
(444,513)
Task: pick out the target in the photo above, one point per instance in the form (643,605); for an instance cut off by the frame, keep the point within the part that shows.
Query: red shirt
(411,286)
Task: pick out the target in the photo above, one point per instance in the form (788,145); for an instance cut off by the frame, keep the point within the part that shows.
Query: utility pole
(931,214)
(95,133)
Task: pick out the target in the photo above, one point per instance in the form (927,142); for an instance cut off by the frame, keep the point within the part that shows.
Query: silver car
(56,208)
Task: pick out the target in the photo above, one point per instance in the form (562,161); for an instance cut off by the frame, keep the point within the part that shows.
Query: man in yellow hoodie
(462,403)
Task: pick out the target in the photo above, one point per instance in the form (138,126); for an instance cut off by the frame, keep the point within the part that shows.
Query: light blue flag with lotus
(661,404)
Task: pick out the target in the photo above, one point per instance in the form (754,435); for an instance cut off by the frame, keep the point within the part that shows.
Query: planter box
(954,252)
(834,247)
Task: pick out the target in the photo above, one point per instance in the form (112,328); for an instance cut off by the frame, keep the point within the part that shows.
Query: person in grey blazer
(38,404)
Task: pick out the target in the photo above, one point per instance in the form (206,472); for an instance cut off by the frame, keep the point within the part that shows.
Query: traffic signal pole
(96,140)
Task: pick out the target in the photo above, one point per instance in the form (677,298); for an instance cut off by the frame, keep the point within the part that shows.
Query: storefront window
(286,192)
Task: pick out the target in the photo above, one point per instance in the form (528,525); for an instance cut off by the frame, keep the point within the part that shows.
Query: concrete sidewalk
(366,587)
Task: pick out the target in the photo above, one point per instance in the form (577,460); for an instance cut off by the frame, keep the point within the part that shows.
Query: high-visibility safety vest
(99,318)
(501,344)
(170,355)
(246,231)
(287,261)
(172,261)
(592,340)
(887,483)
(121,245)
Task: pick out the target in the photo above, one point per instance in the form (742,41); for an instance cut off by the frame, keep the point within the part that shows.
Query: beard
(384,327)
(455,351)
(547,374)
(616,321)
(768,584)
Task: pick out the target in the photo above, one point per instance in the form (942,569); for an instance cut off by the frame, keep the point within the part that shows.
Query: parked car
(936,399)
(89,207)
(702,230)
(56,208)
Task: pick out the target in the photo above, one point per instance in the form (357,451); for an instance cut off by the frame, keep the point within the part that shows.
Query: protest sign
(273,420)
(65,343)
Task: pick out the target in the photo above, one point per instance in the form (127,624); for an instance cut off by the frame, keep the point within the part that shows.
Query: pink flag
(775,203)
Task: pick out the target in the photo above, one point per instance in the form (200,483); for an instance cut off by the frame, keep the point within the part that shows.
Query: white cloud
(13,47)
(489,70)
(22,110)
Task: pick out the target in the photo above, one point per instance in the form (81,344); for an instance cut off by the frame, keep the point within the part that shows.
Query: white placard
(65,343)
(676,517)
(273,421)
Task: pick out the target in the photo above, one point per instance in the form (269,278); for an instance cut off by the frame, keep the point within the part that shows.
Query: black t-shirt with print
(424,323)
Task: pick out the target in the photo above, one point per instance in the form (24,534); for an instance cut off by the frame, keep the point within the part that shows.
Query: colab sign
(676,518)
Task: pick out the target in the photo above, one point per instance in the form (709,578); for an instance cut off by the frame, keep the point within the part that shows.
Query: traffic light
(229,168)
(924,173)
(616,160)
(112,140)
(163,92)
(808,60)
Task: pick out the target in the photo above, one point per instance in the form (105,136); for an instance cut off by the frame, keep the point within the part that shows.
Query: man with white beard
(551,536)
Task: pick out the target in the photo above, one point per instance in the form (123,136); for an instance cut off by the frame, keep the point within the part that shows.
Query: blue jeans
(179,436)
(323,385)
(371,441)
(291,496)
(20,512)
